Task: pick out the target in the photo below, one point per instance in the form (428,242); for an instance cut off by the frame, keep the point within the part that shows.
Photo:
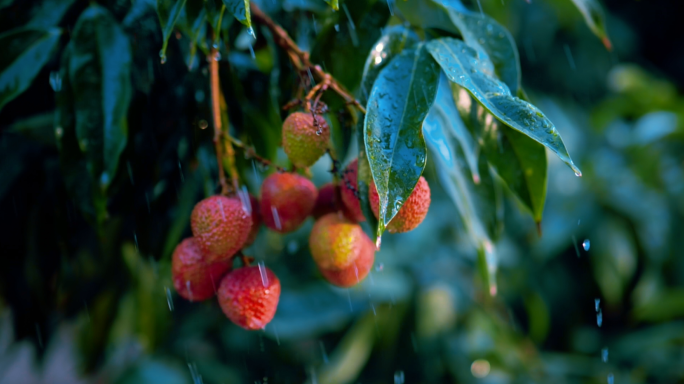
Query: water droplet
(169,299)
(217,57)
(189,289)
(398,375)
(586,244)
(55,81)
(599,317)
(578,174)
(378,242)
(59,132)
(604,354)
(337,27)
(611,378)
(104,179)
(597,302)
(203,124)
(276,218)
(162,56)
(325,355)
(379,267)
(262,272)
(480,368)
(250,30)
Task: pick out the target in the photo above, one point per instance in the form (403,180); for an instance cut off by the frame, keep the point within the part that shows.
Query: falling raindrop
(251,52)
(194,372)
(389,4)
(337,27)
(586,244)
(604,355)
(55,81)
(568,54)
(262,272)
(325,355)
(597,302)
(611,378)
(203,124)
(276,218)
(378,242)
(599,318)
(379,267)
(399,377)
(169,299)
(135,238)
(189,288)
(574,242)
(350,302)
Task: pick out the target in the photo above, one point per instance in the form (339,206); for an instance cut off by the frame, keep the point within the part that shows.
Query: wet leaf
(240,9)
(459,185)
(168,12)
(50,13)
(490,38)
(24,53)
(397,106)
(393,42)
(464,66)
(99,71)
(520,161)
(335,4)
(426,14)
(595,18)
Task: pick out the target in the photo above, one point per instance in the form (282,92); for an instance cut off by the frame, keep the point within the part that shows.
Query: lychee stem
(216,113)
(251,153)
(299,58)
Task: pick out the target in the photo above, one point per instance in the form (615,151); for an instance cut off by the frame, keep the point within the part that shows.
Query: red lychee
(349,192)
(221,226)
(341,250)
(194,278)
(326,202)
(411,213)
(249,296)
(304,141)
(286,201)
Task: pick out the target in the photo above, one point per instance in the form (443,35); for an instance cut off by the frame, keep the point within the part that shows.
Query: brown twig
(230,151)
(251,153)
(216,113)
(300,59)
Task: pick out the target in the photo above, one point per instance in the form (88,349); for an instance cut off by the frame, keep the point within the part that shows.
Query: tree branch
(216,114)
(300,58)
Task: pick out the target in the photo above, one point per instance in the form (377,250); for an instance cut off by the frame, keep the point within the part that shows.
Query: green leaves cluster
(458,93)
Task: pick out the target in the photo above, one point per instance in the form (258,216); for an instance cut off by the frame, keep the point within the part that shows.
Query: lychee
(286,201)
(304,140)
(221,226)
(326,202)
(249,296)
(349,192)
(194,278)
(341,250)
(411,213)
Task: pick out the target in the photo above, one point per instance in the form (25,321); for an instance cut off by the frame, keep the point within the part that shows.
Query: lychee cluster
(202,264)
(222,226)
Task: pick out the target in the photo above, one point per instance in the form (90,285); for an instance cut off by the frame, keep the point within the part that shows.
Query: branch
(251,153)
(216,113)
(300,58)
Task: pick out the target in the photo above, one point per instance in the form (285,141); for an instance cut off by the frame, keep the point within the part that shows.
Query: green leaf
(458,184)
(335,4)
(595,18)
(240,9)
(426,14)
(24,53)
(99,71)
(168,12)
(50,13)
(464,67)
(398,104)
(520,161)
(489,37)
(393,42)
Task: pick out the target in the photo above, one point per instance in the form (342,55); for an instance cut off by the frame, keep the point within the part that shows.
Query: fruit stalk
(216,113)
(251,153)
(300,58)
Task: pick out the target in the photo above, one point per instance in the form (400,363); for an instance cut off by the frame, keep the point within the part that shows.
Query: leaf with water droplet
(457,59)
(24,53)
(398,153)
(240,9)
(595,18)
(168,12)
(99,70)
(394,41)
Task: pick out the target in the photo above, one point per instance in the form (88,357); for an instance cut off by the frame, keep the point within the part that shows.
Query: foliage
(104,109)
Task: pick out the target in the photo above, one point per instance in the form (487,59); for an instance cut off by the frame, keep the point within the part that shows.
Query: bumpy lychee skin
(303,141)
(354,273)
(249,296)
(194,278)
(326,202)
(411,213)
(341,250)
(349,188)
(221,226)
(286,201)
(256,220)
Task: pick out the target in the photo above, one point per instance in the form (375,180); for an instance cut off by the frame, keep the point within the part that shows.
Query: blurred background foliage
(86,294)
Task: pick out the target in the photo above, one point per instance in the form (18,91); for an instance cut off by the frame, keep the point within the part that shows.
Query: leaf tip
(539,228)
(606,43)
